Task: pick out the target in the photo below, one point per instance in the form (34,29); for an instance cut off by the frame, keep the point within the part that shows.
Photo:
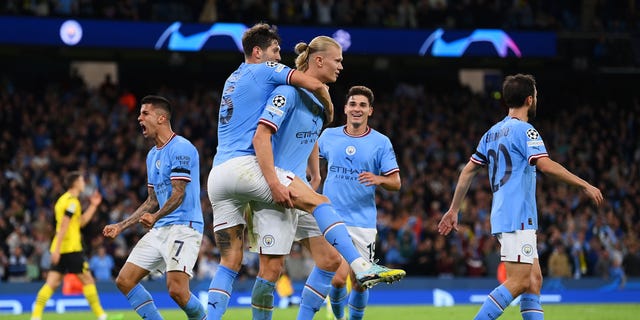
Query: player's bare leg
(178,285)
(530,306)
(230,242)
(333,229)
(128,281)
(318,283)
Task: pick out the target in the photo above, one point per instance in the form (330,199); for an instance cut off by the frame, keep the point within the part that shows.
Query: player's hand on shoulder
(448,223)
(595,194)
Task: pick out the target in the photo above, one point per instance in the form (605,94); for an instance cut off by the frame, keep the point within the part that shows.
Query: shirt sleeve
(535,148)
(182,160)
(280,102)
(480,156)
(388,163)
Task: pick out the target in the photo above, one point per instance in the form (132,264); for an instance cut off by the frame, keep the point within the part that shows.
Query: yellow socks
(91,294)
(41,300)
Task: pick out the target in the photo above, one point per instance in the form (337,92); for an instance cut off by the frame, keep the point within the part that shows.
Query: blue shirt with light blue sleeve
(177,160)
(243,98)
(510,149)
(347,156)
(296,117)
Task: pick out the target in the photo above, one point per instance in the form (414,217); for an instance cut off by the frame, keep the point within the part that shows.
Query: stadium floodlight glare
(71,32)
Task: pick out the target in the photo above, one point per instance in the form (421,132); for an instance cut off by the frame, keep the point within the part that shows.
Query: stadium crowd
(576,15)
(65,126)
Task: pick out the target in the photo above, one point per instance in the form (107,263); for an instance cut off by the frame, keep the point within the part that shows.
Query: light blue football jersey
(243,98)
(177,159)
(297,117)
(347,156)
(508,149)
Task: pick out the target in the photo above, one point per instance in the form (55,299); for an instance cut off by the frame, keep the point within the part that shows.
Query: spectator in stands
(101,263)
(17,265)
(558,264)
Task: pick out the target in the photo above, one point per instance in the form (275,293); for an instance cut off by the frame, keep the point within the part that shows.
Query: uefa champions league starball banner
(226,37)
(18,298)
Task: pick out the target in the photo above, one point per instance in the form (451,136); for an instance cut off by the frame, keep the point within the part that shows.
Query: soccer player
(172,211)
(285,138)
(512,150)
(235,177)
(66,248)
(359,159)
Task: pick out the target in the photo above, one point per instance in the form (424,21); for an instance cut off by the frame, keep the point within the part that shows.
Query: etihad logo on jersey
(306,134)
(345,170)
(436,46)
(175,40)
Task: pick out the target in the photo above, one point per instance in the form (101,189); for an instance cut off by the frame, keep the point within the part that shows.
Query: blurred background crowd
(65,126)
(54,125)
(571,15)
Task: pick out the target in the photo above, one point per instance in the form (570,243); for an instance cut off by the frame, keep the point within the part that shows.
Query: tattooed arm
(175,200)
(113,230)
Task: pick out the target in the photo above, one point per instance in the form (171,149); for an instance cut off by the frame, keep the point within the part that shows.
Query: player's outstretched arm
(557,171)
(149,205)
(450,219)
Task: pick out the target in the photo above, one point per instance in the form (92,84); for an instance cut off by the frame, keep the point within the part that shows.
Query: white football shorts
(518,246)
(235,183)
(168,248)
(273,229)
(364,239)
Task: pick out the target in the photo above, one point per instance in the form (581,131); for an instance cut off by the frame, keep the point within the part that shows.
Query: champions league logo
(175,40)
(438,47)
(279,101)
(532,134)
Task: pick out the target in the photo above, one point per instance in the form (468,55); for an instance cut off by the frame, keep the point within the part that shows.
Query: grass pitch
(551,312)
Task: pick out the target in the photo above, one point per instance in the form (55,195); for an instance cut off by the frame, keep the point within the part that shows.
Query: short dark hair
(70,178)
(158,102)
(261,35)
(361,90)
(516,89)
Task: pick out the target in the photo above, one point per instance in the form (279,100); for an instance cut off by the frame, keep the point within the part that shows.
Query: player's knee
(535,283)
(232,261)
(124,284)
(330,262)
(315,201)
(179,294)
(339,280)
